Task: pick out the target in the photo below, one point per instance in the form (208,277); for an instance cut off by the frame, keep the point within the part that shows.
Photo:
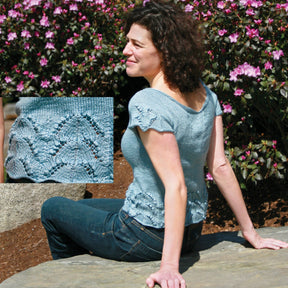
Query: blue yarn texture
(62,139)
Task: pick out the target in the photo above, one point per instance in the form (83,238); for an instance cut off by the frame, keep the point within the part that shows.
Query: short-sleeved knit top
(62,139)
(152,109)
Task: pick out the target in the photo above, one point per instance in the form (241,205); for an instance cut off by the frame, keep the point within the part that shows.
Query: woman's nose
(127,50)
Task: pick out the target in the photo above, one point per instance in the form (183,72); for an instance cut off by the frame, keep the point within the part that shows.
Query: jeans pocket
(141,252)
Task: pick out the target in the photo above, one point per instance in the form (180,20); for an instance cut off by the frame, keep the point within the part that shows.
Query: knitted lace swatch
(63,139)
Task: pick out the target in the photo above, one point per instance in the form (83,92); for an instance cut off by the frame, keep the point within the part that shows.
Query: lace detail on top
(68,140)
(145,117)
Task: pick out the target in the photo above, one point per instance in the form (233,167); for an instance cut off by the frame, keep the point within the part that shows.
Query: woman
(60,139)
(174,126)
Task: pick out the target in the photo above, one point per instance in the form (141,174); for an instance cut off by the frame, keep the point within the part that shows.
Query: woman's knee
(49,207)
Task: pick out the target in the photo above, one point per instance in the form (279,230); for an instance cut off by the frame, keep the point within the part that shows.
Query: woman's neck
(158,82)
(194,100)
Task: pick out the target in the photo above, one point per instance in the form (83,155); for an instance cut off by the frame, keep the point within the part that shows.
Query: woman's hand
(263,243)
(166,278)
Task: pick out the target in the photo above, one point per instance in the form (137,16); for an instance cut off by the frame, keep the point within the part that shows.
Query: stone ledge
(21,203)
(222,260)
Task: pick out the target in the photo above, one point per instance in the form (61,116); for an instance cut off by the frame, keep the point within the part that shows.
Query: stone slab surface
(222,260)
(21,203)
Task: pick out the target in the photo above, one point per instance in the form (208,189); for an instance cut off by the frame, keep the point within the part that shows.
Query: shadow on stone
(210,240)
(207,242)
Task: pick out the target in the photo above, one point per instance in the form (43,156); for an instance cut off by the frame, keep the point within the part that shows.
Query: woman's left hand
(166,279)
(264,243)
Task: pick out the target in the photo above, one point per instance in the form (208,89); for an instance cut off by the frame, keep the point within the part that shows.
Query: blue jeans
(101,228)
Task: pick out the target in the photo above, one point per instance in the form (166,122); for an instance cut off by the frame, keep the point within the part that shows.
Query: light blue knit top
(152,109)
(63,139)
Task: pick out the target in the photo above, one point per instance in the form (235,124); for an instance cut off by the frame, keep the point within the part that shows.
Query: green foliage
(61,48)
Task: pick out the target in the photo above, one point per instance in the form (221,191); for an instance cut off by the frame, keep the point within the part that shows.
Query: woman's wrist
(169,265)
(249,233)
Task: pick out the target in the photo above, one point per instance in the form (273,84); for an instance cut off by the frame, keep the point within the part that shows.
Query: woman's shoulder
(147,97)
(211,94)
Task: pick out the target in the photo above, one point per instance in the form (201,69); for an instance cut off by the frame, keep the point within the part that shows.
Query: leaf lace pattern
(145,117)
(76,147)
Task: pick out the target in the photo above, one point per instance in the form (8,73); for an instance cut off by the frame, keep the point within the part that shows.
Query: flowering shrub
(246,66)
(74,48)
(61,48)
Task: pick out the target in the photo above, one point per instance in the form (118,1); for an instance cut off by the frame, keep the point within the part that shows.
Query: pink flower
(2,18)
(276,54)
(13,13)
(7,79)
(86,25)
(44,21)
(243,157)
(221,5)
(12,36)
(259,21)
(275,165)
(50,45)
(26,46)
(234,37)
(233,76)
(268,65)
(252,32)
(45,84)
(256,4)
(73,7)
(227,108)
(49,34)
(209,177)
(20,86)
(58,11)
(31,3)
(238,92)
(222,32)
(250,12)
(31,75)
(25,34)
(43,62)
(189,8)
(57,79)
(245,69)
(70,41)
(270,21)
(26,72)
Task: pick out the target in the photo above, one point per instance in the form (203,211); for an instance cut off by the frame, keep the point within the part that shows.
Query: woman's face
(143,59)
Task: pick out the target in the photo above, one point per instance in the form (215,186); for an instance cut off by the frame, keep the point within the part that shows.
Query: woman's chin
(131,73)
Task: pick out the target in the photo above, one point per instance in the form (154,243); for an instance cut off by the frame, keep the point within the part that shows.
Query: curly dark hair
(177,37)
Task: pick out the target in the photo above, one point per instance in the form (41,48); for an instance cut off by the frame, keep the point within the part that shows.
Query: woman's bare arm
(162,149)
(223,175)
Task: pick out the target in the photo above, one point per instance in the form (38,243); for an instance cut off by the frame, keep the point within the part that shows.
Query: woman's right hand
(166,278)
